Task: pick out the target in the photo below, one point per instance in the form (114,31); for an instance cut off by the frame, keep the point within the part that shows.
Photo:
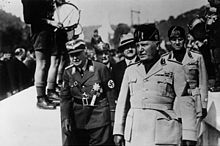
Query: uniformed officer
(192,108)
(152,85)
(86,98)
(102,52)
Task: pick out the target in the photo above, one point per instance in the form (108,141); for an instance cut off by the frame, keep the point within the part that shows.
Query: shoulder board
(175,61)
(71,65)
(195,51)
(165,54)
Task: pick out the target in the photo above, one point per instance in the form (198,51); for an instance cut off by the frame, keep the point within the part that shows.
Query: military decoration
(96,92)
(111,84)
(75,83)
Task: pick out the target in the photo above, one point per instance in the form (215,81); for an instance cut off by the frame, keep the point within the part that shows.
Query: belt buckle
(85,101)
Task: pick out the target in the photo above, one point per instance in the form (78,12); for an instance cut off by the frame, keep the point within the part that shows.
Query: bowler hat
(126,39)
(146,32)
(75,46)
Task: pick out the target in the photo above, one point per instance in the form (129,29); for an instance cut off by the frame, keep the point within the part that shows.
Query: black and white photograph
(110,72)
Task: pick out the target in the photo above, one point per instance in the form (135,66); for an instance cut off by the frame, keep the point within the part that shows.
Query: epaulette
(71,65)
(174,61)
(195,51)
(163,61)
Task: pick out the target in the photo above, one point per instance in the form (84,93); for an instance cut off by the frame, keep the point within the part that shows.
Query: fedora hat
(125,40)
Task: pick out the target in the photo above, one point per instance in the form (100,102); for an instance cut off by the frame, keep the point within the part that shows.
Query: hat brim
(123,46)
(75,51)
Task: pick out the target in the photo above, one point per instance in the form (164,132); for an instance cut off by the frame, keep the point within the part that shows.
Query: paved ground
(23,124)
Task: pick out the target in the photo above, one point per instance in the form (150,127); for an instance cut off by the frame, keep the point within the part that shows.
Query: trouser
(92,137)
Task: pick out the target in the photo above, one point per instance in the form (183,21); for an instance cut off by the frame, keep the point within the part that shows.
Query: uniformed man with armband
(86,98)
(151,87)
(192,107)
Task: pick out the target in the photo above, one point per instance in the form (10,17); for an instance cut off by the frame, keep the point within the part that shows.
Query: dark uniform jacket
(74,86)
(118,71)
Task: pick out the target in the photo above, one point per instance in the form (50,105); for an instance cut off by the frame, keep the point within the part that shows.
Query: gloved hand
(204,113)
(66,125)
(119,140)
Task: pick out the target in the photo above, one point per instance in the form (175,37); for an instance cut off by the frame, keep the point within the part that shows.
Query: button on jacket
(151,96)
(190,107)
(75,86)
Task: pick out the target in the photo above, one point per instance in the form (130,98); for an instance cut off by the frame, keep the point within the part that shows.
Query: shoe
(51,101)
(42,103)
(52,95)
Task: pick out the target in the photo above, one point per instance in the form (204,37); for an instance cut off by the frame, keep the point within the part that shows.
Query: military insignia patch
(75,83)
(111,84)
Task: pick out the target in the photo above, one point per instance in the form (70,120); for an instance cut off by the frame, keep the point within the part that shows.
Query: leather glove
(66,125)
(204,113)
(119,140)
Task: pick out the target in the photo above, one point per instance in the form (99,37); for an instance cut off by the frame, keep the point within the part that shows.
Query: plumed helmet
(146,32)
(176,32)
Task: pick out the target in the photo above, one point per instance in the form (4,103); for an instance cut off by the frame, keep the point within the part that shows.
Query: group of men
(146,99)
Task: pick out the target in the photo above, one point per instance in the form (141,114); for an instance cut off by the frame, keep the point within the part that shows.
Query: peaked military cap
(75,46)
(176,32)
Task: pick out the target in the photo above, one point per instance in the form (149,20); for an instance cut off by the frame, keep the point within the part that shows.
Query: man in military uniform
(103,55)
(151,87)
(86,98)
(128,48)
(192,108)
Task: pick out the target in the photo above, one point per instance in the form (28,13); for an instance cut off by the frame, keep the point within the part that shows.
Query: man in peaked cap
(150,86)
(128,48)
(86,99)
(192,107)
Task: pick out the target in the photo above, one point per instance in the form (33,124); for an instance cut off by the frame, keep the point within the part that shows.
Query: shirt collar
(128,62)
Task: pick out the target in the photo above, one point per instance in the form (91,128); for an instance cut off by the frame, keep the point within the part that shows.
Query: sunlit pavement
(23,124)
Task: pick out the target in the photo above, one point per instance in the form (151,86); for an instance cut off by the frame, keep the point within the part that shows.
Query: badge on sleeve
(111,84)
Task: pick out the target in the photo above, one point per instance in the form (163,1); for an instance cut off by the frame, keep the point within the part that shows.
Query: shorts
(49,41)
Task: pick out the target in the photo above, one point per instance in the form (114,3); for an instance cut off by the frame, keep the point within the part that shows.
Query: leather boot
(42,103)
(53,95)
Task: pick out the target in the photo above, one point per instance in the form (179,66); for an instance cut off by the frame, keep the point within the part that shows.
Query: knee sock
(41,91)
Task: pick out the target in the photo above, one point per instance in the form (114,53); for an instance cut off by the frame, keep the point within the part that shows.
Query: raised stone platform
(23,124)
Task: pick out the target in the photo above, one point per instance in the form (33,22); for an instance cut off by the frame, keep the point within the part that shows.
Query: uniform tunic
(87,118)
(151,96)
(190,107)
(75,86)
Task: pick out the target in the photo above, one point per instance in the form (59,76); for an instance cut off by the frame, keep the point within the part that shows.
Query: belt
(156,106)
(82,101)
(87,101)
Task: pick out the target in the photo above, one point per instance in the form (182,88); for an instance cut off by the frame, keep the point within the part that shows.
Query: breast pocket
(132,83)
(165,86)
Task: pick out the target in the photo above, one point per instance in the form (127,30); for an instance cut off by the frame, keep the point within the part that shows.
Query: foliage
(181,20)
(13,32)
